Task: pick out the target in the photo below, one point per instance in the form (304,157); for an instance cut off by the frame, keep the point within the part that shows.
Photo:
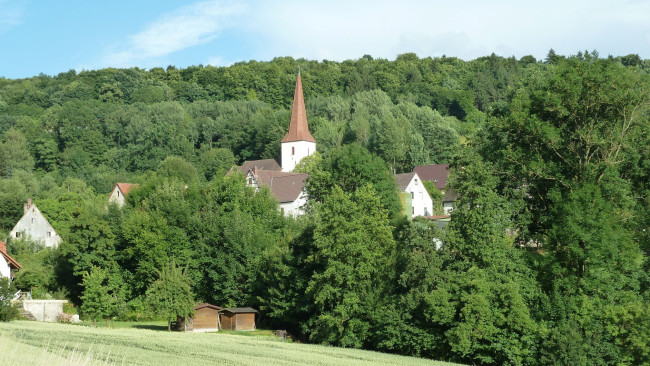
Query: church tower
(298,142)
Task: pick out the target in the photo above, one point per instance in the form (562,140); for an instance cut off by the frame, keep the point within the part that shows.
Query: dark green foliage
(545,260)
(8,311)
(351,168)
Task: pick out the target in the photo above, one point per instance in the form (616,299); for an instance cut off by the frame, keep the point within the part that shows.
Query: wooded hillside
(545,260)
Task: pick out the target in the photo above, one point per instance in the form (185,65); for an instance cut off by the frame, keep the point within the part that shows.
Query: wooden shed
(205,319)
(238,318)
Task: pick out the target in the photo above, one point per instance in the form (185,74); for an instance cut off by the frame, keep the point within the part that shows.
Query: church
(298,143)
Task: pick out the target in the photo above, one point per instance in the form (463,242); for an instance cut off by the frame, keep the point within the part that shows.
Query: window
(49,234)
(118,193)
(293,150)
(18,234)
(412,195)
(413,210)
(250,181)
(33,220)
(416,181)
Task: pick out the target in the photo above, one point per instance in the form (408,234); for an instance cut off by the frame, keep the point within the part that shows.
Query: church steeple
(298,143)
(298,127)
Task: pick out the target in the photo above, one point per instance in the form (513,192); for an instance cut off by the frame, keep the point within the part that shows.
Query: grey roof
(436,173)
(240,310)
(285,186)
(265,164)
(403,180)
(450,196)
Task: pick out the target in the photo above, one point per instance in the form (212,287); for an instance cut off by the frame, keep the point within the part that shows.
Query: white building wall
(34,226)
(448,207)
(293,152)
(421,201)
(117,197)
(5,271)
(295,208)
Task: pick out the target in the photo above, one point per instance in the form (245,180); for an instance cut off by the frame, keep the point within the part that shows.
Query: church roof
(266,164)
(298,128)
(285,186)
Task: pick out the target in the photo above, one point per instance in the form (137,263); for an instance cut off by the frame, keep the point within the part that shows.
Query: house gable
(34,226)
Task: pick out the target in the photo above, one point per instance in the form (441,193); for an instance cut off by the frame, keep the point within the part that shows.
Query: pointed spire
(298,128)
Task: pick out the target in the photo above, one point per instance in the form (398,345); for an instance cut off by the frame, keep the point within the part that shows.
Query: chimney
(28,205)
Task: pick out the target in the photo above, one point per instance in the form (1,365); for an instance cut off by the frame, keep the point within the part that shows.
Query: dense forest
(545,260)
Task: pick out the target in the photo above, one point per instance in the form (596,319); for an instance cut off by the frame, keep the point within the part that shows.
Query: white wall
(44,310)
(294,208)
(5,271)
(421,202)
(117,197)
(34,226)
(302,149)
(448,207)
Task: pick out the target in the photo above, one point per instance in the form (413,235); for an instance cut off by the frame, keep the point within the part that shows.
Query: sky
(50,37)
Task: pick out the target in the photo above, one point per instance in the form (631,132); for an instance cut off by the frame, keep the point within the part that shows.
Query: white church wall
(293,152)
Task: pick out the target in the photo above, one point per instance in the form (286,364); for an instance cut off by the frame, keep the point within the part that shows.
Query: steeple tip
(298,127)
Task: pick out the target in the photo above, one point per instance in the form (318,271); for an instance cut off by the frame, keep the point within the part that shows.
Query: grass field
(51,344)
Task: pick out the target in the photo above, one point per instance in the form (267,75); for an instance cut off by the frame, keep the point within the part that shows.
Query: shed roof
(12,262)
(206,305)
(436,173)
(403,180)
(240,310)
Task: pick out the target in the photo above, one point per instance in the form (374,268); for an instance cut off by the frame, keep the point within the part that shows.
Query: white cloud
(186,27)
(344,29)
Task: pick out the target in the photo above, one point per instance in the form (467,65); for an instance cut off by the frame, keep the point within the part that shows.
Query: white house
(7,263)
(421,203)
(34,226)
(438,174)
(118,195)
(298,143)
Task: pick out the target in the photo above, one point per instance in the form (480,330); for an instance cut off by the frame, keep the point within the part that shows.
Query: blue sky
(50,37)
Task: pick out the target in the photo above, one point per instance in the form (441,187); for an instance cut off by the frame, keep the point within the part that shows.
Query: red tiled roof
(285,186)
(436,173)
(126,187)
(298,127)
(12,262)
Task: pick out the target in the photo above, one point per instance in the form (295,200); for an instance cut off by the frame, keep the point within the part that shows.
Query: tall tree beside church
(353,255)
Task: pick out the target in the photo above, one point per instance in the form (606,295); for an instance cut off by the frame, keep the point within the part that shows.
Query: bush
(8,311)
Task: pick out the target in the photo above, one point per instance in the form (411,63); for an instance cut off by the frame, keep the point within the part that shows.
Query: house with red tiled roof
(298,143)
(7,263)
(118,195)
